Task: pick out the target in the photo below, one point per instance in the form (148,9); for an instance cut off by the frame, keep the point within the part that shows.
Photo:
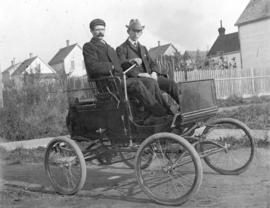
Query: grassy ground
(32,112)
(21,155)
(235,101)
(255,116)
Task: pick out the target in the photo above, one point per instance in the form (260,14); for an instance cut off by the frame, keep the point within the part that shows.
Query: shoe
(175,109)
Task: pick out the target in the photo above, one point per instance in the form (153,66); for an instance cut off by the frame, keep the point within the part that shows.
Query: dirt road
(116,187)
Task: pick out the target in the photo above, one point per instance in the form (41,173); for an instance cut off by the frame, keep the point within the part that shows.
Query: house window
(72,64)
(37,69)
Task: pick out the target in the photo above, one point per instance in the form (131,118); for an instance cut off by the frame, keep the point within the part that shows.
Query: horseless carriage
(166,153)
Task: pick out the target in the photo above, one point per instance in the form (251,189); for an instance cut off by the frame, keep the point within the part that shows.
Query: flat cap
(96,22)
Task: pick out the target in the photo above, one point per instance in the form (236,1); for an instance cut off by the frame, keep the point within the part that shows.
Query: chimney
(30,55)
(158,43)
(221,30)
(13,62)
(67,42)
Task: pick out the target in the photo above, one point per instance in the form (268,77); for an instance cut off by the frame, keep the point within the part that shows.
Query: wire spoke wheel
(65,166)
(229,144)
(175,171)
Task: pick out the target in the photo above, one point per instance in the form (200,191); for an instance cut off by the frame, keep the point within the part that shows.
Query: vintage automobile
(165,154)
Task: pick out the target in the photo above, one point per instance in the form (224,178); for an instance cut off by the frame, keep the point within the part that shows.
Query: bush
(32,112)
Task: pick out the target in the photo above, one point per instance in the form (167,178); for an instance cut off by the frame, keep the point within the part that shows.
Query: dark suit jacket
(100,59)
(127,51)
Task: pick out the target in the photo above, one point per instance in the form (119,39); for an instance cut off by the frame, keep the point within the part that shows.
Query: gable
(74,63)
(31,65)
(76,52)
(170,51)
(158,51)
(61,54)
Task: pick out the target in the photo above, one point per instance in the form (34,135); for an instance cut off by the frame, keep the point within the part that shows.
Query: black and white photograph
(135,103)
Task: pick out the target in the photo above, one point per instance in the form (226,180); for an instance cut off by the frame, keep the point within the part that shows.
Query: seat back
(197,100)
(108,89)
(107,110)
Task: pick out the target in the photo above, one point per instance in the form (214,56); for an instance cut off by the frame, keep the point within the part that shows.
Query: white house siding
(1,90)
(38,63)
(228,57)
(34,67)
(78,69)
(18,81)
(170,51)
(255,44)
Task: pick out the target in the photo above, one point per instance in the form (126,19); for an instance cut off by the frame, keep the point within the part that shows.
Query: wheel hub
(227,146)
(168,169)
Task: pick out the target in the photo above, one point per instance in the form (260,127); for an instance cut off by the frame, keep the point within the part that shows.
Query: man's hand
(144,75)
(137,61)
(154,76)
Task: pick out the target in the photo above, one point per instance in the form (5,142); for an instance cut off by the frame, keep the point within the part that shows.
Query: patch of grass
(256,117)
(235,100)
(21,155)
(32,112)
(263,144)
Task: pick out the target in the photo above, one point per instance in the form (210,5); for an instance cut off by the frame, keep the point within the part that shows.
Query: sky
(42,27)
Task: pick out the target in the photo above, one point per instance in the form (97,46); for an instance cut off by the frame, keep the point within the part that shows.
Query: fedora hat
(135,24)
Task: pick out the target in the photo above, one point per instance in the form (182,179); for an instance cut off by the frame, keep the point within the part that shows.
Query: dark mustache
(100,35)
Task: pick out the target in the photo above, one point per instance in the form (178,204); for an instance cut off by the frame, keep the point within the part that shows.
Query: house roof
(61,54)
(226,44)
(159,50)
(24,65)
(11,69)
(255,10)
(192,54)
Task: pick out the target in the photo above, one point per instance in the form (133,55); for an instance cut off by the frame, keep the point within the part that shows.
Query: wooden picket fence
(232,82)
(228,82)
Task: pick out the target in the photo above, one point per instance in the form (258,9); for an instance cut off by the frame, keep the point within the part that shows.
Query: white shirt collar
(133,42)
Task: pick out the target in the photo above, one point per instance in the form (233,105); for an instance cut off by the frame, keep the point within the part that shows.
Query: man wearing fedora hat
(131,51)
(101,60)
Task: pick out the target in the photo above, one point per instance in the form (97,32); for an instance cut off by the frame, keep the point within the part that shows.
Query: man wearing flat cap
(101,60)
(131,51)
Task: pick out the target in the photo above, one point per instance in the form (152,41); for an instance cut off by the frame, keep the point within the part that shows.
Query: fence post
(185,72)
(253,81)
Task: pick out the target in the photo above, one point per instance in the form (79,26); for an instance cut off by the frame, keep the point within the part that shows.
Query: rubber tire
(82,165)
(246,129)
(196,159)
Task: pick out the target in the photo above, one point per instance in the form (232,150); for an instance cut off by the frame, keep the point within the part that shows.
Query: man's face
(134,34)
(98,32)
